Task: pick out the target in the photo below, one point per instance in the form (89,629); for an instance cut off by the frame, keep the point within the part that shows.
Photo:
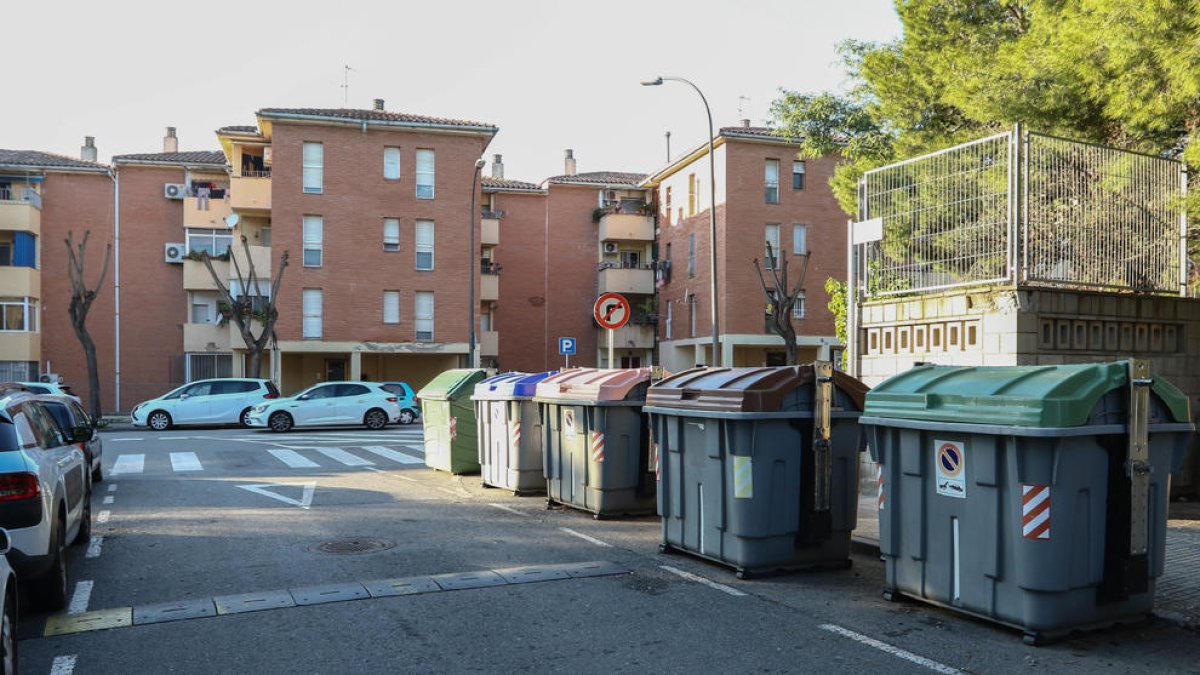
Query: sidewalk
(1178,597)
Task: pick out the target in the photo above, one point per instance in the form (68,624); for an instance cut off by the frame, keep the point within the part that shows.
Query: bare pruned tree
(81,301)
(781,296)
(250,305)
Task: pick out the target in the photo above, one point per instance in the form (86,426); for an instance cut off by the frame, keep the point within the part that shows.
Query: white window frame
(313,168)
(771,235)
(423,316)
(670,317)
(313,230)
(391,306)
(391,234)
(426,173)
(800,308)
(29,314)
(799,239)
(424,244)
(313,313)
(771,183)
(798,169)
(210,237)
(391,162)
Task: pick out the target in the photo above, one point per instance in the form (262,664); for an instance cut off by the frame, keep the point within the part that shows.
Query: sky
(550,75)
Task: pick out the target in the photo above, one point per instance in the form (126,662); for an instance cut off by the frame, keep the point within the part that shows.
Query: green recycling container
(1033,496)
(449,418)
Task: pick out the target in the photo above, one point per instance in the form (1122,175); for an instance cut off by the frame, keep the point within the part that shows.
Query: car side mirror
(5,542)
(303,397)
(183,397)
(82,433)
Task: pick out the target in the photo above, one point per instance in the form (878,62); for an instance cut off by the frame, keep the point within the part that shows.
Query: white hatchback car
(329,404)
(219,401)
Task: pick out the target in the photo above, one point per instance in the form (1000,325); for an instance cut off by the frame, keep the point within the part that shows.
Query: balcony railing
(626,266)
(496,214)
(489,268)
(26,195)
(257,173)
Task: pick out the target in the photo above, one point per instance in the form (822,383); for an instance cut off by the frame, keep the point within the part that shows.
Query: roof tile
(371,116)
(35,159)
(490,183)
(214,157)
(600,178)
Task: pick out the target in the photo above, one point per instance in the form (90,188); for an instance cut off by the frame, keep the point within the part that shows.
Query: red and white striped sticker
(879,486)
(453,427)
(597,446)
(657,464)
(514,435)
(1035,511)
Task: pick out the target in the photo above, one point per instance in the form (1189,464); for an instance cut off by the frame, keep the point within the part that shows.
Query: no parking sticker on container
(950,460)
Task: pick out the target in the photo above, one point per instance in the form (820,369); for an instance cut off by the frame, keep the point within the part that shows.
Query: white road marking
(185,461)
(103,516)
(93,549)
(120,440)
(584,537)
(129,464)
(388,453)
(510,509)
(293,459)
(339,455)
(889,649)
(450,492)
(175,438)
(391,475)
(304,502)
(701,580)
(63,665)
(108,499)
(112,487)
(81,597)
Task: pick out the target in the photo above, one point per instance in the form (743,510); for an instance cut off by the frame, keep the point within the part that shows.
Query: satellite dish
(231,220)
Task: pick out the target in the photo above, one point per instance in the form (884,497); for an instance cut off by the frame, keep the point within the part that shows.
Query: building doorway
(335,370)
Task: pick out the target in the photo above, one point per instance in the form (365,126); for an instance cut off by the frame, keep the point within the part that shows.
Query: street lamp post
(712,216)
(471,280)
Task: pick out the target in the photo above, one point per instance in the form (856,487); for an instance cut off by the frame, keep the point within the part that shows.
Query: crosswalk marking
(293,459)
(129,464)
(339,455)
(388,453)
(185,461)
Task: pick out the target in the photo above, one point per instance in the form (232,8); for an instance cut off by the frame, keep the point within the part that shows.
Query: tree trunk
(254,369)
(81,302)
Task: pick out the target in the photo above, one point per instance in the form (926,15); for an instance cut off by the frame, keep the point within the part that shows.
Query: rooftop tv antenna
(742,99)
(346,86)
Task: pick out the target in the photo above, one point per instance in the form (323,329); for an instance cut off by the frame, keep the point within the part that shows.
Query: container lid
(510,385)
(747,390)
(452,384)
(1023,396)
(595,385)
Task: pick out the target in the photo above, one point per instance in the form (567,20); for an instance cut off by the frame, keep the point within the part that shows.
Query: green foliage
(838,292)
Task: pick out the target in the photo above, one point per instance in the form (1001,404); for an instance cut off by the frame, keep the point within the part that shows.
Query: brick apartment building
(43,197)
(763,193)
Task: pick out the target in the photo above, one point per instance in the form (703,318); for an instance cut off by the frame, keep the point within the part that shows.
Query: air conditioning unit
(610,195)
(175,253)
(610,247)
(174,190)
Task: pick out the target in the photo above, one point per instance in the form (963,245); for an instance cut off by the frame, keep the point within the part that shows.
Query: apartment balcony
(21,211)
(489,229)
(20,282)
(205,337)
(251,193)
(213,217)
(636,280)
(20,346)
(259,255)
(629,336)
(626,227)
(489,285)
(489,343)
(197,278)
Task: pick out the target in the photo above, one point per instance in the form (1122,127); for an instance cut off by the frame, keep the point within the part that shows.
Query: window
(670,318)
(391,163)
(314,168)
(797,176)
(424,315)
(485,320)
(424,244)
(352,390)
(692,315)
(771,247)
(201,312)
(391,234)
(259,302)
(328,391)
(391,306)
(312,313)
(18,315)
(204,367)
(799,239)
(425,174)
(691,194)
(800,309)
(264,236)
(314,240)
(631,260)
(691,255)
(18,249)
(214,242)
(772,181)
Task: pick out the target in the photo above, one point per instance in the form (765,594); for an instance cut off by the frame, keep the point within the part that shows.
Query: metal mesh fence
(1045,211)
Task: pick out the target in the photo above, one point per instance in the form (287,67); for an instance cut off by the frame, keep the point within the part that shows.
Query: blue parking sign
(566,345)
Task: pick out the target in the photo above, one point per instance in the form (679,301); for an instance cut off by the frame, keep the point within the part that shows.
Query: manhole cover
(352,545)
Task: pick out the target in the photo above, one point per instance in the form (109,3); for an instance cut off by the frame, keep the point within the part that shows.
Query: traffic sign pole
(610,347)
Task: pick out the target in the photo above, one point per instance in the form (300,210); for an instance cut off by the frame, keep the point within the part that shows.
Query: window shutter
(391,163)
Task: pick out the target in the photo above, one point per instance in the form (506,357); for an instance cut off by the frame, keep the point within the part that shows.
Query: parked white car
(330,404)
(51,388)
(8,621)
(226,400)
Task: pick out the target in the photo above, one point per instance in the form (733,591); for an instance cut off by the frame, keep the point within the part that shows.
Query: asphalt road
(193,520)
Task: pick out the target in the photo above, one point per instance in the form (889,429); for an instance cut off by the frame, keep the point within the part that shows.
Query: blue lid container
(509,386)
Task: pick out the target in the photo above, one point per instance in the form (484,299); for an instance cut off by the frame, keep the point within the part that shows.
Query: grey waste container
(510,432)
(595,441)
(758,465)
(1032,496)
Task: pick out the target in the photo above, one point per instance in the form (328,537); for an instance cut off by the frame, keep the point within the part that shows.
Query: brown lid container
(746,390)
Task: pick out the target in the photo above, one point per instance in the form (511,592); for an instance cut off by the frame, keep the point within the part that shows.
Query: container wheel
(891,595)
(1032,638)
(743,573)
(666,549)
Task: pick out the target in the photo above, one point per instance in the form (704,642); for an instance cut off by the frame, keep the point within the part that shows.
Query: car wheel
(280,421)
(8,631)
(54,585)
(407,416)
(85,521)
(375,419)
(159,420)
(244,418)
